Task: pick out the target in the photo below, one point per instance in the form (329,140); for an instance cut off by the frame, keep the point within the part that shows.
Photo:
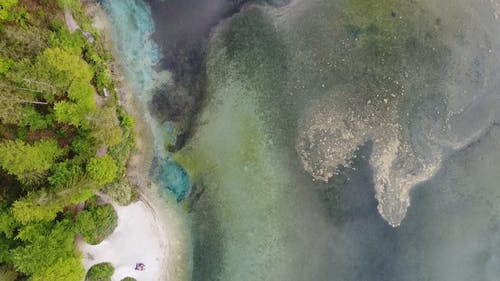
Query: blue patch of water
(174,178)
(132,27)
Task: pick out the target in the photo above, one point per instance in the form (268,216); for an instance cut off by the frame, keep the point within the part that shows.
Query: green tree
(100,272)
(66,268)
(64,174)
(5,247)
(48,252)
(96,223)
(82,146)
(70,112)
(33,119)
(24,160)
(12,100)
(5,65)
(49,75)
(121,191)
(61,63)
(105,127)
(81,92)
(60,37)
(7,222)
(44,205)
(52,73)
(6,7)
(35,207)
(10,108)
(102,169)
(7,274)
(82,103)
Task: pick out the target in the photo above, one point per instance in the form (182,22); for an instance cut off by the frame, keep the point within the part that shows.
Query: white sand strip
(137,238)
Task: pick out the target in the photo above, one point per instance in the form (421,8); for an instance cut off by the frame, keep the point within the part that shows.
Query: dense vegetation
(62,138)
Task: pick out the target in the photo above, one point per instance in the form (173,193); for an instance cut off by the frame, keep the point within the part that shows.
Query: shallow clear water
(133,28)
(318,123)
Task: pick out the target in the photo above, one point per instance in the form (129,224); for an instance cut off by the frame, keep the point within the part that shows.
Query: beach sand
(139,237)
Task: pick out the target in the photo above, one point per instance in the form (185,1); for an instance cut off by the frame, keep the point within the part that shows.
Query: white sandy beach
(137,238)
(152,231)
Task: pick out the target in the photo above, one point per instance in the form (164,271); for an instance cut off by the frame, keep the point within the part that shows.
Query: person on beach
(140,266)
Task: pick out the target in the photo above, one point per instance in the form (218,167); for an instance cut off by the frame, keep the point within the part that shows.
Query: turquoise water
(337,139)
(174,178)
(133,28)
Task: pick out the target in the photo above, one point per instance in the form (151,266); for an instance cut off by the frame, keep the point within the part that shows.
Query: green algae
(359,46)
(245,187)
(376,23)
(233,156)
(256,50)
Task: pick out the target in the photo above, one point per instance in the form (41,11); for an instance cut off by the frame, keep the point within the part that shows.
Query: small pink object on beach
(140,266)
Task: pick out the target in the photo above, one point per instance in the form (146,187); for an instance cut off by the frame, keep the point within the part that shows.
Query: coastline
(172,230)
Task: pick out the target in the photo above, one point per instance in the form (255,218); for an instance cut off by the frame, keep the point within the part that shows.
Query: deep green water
(313,125)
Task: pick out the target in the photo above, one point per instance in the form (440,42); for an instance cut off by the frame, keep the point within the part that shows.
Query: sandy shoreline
(134,240)
(154,229)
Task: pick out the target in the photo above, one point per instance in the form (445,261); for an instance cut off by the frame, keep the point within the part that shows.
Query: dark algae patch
(182,30)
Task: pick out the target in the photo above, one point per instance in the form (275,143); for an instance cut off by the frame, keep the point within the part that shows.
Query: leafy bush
(122,192)
(102,77)
(100,272)
(129,279)
(70,4)
(127,122)
(96,223)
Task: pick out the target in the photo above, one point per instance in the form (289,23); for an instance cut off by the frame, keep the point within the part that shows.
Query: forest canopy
(61,140)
